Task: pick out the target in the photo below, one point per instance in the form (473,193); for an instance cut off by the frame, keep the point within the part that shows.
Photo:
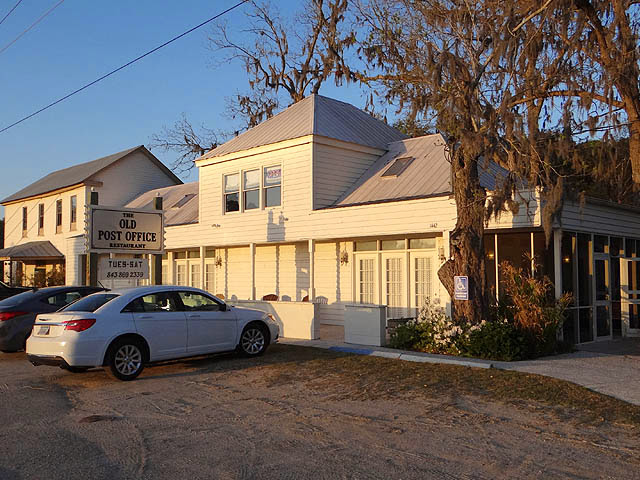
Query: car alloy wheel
(253,341)
(127,360)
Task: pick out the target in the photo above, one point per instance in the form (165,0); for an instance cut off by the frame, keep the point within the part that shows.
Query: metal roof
(42,249)
(314,115)
(78,174)
(186,196)
(429,174)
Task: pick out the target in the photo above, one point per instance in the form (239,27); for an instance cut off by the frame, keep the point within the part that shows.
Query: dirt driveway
(308,413)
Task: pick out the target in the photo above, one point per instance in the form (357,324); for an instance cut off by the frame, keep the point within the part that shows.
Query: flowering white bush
(433,331)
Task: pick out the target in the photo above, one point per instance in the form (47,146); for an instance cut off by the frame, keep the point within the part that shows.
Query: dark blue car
(18,313)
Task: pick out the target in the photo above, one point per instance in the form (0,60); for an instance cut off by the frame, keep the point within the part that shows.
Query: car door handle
(194,315)
(146,316)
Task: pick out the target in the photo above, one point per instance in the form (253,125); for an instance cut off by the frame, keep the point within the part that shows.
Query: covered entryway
(33,264)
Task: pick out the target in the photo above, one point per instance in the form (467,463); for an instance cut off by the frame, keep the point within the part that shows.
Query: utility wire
(10,11)
(125,65)
(31,26)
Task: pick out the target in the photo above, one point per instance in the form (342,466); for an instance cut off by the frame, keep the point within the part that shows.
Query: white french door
(394,284)
(630,296)
(366,278)
(422,278)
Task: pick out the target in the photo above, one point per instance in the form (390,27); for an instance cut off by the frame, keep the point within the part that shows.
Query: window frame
(25,221)
(262,189)
(58,212)
(236,192)
(244,189)
(265,188)
(41,219)
(73,212)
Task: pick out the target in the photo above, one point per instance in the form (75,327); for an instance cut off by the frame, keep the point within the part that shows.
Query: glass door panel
(393,285)
(602,295)
(630,296)
(366,276)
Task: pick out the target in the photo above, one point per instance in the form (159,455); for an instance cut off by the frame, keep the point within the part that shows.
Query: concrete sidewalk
(611,368)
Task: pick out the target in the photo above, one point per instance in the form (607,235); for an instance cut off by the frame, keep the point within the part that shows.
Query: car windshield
(90,303)
(19,298)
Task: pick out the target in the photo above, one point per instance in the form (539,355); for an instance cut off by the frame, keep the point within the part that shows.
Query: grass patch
(362,377)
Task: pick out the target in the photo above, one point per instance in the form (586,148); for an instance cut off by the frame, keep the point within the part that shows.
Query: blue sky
(82,40)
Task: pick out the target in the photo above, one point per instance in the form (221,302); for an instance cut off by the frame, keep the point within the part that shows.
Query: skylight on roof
(183,200)
(398,166)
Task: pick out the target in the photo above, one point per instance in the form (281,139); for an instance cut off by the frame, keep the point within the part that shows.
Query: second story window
(74,212)
(251,189)
(41,219)
(58,216)
(24,221)
(232,193)
(272,186)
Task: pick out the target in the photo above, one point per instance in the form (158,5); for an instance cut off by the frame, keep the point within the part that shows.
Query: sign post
(156,266)
(92,264)
(113,230)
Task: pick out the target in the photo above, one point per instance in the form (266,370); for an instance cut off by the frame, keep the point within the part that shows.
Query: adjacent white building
(45,221)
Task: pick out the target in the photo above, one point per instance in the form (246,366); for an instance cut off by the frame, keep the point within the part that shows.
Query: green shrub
(497,340)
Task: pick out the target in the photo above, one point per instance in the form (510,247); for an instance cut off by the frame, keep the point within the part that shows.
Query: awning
(43,250)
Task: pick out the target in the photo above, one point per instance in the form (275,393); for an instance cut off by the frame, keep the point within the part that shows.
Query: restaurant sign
(124,230)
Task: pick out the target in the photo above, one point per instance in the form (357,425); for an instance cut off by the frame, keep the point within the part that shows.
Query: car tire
(126,359)
(253,341)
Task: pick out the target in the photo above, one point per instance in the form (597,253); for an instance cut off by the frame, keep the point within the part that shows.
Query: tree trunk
(634,149)
(467,247)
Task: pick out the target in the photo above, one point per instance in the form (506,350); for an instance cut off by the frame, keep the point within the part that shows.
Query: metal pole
(92,264)
(156,264)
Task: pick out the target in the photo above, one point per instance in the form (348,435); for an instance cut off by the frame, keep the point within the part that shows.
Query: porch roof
(43,250)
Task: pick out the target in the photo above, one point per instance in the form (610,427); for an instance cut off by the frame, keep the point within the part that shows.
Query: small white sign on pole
(123,269)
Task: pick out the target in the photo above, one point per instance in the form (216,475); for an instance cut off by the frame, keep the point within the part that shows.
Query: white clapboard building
(45,221)
(324,210)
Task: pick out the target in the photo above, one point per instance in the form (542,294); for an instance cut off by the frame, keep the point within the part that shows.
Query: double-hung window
(272,186)
(232,193)
(25,223)
(41,219)
(58,216)
(251,189)
(73,214)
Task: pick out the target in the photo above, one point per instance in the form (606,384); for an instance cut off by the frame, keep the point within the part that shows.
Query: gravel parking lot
(305,413)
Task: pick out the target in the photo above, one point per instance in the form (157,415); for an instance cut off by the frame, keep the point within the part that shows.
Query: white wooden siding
(336,168)
(607,220)
(333,281)
(13,219)
(128,178)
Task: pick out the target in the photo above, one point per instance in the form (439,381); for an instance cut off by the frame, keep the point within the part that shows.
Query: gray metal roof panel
(314,115)
(187,213)
(41,249)
(428,174)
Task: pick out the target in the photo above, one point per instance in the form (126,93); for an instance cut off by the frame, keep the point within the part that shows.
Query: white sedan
(125,329)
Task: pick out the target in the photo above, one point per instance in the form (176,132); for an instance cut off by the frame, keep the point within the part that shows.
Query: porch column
(252,253)
(171,269)
(312,284)
(557,261)
(202,267)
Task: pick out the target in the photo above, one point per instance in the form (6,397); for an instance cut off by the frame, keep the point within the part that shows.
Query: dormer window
(398,166)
